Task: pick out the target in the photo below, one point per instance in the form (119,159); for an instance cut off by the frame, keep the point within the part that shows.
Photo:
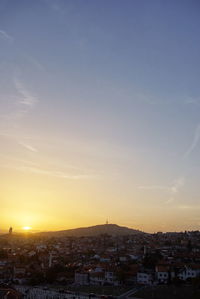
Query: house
(109,277)
(19,273)
(164,274)
(122,259)
(104,259)
(97,278)
(133,257)
(31,253)
(81,278)
(41,247)
(188,272)
(5,270)
(145,278)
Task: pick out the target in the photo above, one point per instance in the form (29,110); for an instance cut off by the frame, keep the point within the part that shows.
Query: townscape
(109,265)
(99,124)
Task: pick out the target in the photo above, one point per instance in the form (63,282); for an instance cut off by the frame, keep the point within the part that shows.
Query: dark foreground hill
(110,229)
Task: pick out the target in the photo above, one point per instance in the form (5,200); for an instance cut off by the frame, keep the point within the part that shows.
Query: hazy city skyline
(100,114)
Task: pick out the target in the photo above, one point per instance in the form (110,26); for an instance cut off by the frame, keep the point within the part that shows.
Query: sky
(100,114)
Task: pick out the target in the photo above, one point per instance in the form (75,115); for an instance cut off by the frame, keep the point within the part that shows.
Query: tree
(151,259)
(37,278)
(3,254)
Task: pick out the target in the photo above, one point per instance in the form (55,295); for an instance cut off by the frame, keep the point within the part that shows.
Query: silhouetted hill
(110,229)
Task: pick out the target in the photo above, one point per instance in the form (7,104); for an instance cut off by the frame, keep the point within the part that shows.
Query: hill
(110,229)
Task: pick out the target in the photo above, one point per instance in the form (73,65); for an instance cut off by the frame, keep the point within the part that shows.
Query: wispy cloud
(189,207)
(150,99)
(194,143)
(16,139)
(12,161)
(175,188)
(55,5)
(6,36)
(172,189)
(153,187)
(28,146)
(23,102)
(58,174)
(34,62)
(26,99)
(177,185)
(192,101)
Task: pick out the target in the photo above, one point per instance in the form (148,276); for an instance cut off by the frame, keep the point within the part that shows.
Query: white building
(97,278)
(189,272)
(109,277)
(144,278)
(163,274)
(81,278)
(41,247)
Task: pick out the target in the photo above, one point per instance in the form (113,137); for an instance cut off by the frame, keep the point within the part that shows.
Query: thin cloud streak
(24,102)
(21,161)
(154,187)
(27,98)
(21,143)
(10,122)
(53,173)
(194,142)
(189,207)
(192,101)
(55,5)
(6,36)
(28,147)
(173,190)
(34,62)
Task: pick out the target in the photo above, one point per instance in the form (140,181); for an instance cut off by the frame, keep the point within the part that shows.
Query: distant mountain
(110,229)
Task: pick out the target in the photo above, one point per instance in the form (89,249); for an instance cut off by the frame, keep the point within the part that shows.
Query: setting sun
(110,126)
(26,228)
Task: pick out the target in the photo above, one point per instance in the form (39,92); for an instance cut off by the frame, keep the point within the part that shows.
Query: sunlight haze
(99,114)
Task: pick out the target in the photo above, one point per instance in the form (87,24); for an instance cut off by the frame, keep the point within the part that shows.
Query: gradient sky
(100,114)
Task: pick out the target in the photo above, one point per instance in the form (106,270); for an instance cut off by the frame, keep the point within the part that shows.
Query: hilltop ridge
(111,229)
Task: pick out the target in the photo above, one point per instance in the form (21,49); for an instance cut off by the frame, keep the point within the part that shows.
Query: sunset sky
(100,114)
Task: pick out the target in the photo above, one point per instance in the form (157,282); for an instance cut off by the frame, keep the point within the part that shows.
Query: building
(164,274)
(144,278)
(82,278)
(189,272)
